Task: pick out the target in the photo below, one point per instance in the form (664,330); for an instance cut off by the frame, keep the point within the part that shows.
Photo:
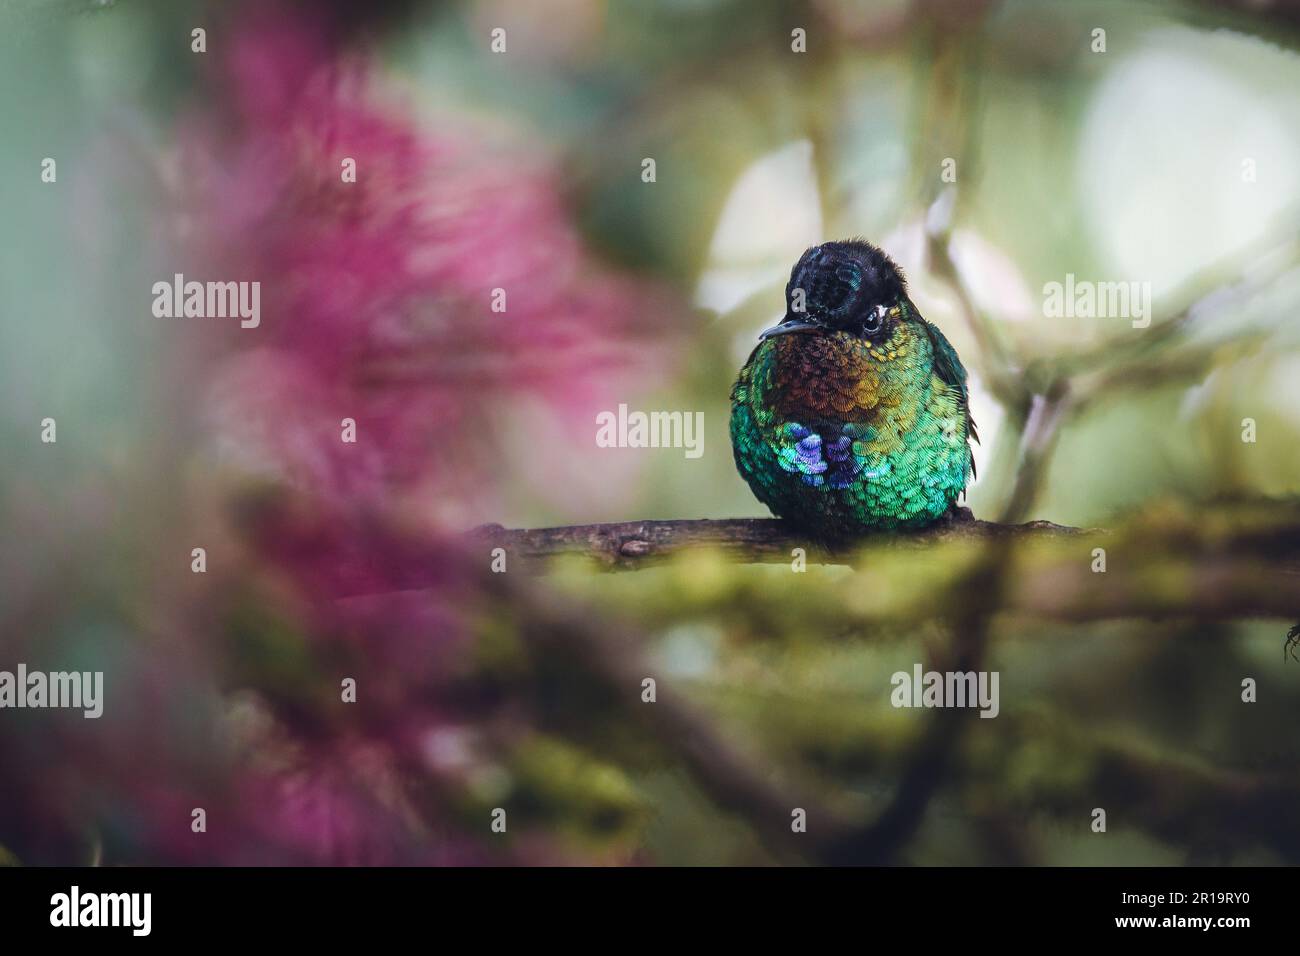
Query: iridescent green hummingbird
(852,414)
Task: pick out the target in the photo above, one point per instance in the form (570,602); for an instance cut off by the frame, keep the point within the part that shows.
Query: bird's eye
(874,321)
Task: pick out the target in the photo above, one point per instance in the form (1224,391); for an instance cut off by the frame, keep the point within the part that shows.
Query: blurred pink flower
(377,294)
(375,305)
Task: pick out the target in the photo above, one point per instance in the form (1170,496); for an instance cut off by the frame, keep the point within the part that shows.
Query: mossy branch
(1226,562)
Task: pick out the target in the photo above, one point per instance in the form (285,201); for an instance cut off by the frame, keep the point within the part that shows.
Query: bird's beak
(789,324)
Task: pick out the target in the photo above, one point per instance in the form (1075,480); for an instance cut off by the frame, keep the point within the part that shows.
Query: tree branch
(630,545)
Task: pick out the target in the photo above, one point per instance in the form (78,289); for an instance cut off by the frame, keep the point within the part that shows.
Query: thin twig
(1047,413)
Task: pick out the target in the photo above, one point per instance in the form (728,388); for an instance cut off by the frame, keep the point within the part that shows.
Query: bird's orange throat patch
(837,373)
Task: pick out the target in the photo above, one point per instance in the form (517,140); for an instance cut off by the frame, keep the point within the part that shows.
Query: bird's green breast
(842,435)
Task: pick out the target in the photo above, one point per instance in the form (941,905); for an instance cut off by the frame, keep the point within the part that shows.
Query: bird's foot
(956,514)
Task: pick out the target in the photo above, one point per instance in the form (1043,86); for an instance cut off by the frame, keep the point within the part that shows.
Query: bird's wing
(953,374)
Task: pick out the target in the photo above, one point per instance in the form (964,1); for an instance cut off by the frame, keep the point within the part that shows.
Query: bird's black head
(847,286)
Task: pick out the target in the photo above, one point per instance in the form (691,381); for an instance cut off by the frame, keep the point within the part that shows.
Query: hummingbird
(852,415)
